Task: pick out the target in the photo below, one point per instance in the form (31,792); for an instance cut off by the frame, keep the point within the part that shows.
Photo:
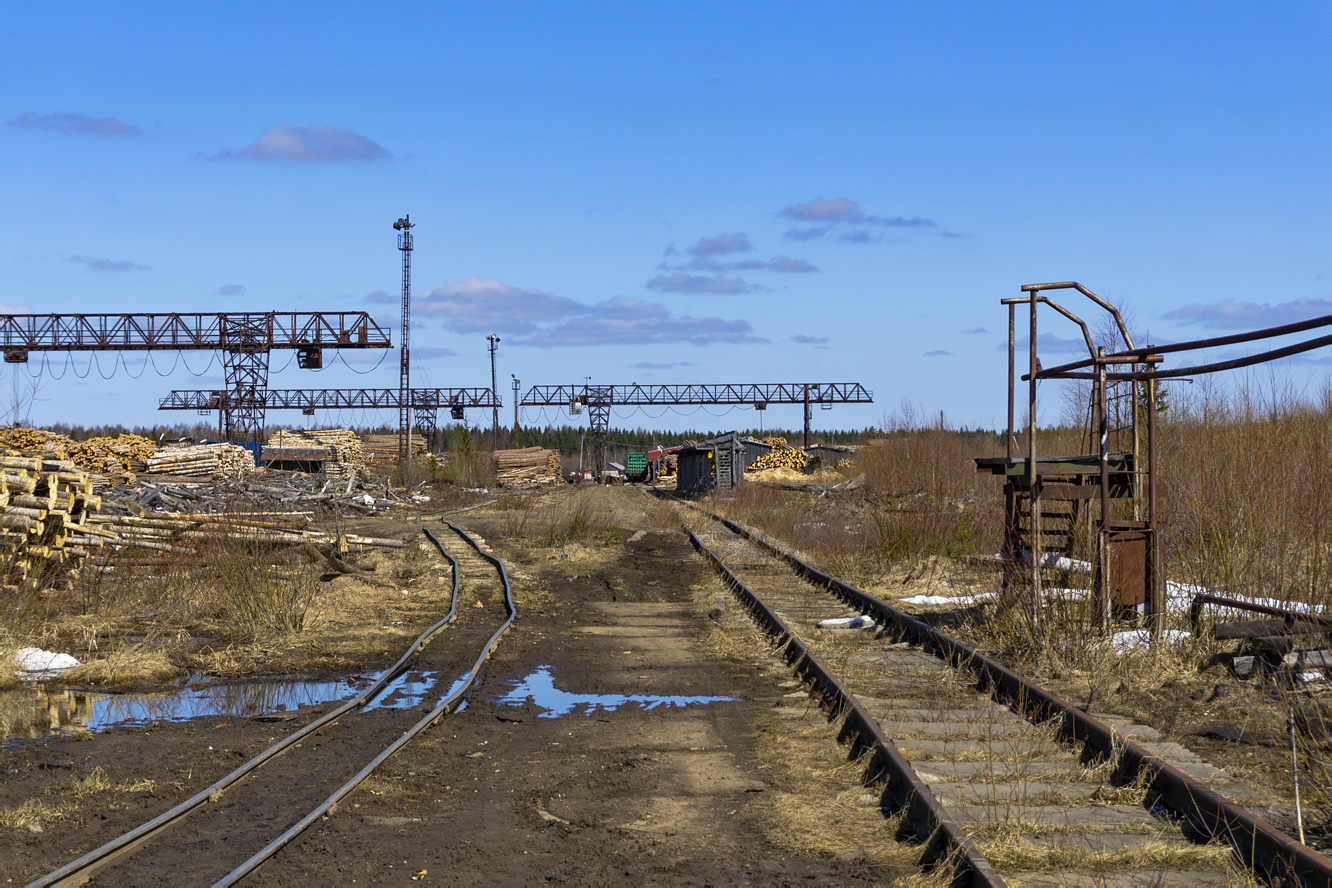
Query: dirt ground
(611,600)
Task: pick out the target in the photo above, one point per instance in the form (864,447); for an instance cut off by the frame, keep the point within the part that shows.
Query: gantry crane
(423,403)
(600,398)
(244,338)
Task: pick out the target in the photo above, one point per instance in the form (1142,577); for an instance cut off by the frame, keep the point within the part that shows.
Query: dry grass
(580,518)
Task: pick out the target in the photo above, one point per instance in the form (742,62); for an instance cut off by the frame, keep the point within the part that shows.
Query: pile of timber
(45,504)
(348,456)
(126,453)
(527,467)
(154,539)
(36,441)
(261,491)
(381,451)
(109,465)
(202,461)
(781,456)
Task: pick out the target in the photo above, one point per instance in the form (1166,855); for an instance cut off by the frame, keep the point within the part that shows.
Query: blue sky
(670,193)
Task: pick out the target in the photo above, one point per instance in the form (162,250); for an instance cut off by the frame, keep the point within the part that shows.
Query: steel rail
(444,708)
(927,815)
(80,870)
(1258,843)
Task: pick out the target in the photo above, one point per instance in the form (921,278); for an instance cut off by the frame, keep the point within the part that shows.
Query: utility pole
(404,228)
(494,428)
(517,384)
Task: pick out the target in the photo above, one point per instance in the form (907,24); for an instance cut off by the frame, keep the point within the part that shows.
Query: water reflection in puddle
(40,711)
(539,688)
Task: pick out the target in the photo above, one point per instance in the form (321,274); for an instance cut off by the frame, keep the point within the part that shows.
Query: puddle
(539,688)
(42,711)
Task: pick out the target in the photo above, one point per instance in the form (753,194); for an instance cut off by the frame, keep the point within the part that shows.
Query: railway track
(1002,780)
(228,830)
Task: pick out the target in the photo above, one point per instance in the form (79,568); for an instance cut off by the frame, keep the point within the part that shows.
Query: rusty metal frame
(1098,359)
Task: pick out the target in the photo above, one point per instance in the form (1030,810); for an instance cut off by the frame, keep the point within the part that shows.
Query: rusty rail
(927,815)
(1258,843)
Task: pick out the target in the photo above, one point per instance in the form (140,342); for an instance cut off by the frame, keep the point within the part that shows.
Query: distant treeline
(567,440)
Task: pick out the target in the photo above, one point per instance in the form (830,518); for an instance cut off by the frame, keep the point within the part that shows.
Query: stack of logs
(345,447)
(112,461)
(527,467)
(781,456)
(381,451)
(155,539)
(202,461)
(45,504)
(126,453)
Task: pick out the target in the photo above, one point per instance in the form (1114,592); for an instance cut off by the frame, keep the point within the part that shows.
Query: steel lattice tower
(404,228)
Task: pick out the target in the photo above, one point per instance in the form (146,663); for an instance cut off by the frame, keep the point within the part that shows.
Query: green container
(635,466)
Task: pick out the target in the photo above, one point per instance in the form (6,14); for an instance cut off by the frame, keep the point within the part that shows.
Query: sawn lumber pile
(382,450)
(45,504)
(348,454)
(781,456)
(202,461)
(527,467)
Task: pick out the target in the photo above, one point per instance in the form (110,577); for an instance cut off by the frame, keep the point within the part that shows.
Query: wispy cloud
(230,290)
(679,282)
(704,258)
(111,265)
(544,320)
(940,353)
(430,352)
(645,330)
(309,145)
(672,365)
(20,309)
(485,305)
(844,209)
(807,234)
(69,124)
(809,340)
(1229,315)
(981,331)
(779,264)
(722,244)
(838,211)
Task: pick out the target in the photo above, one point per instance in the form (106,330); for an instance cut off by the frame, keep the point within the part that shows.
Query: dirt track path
(499,794)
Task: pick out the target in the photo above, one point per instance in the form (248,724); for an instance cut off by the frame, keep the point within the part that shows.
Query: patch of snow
(1311,676)
(35,663)
(935,600)
(847,622)
(1141,639)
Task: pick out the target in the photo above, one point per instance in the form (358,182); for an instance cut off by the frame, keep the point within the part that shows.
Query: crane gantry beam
(422,402)
(600,398)
(244,338)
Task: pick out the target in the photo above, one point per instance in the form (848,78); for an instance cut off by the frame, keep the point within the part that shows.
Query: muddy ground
(501,794)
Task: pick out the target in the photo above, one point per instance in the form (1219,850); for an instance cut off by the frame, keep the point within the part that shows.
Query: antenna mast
(404,228)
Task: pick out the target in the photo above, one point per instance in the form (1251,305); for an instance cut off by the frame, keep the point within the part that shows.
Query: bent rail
(78,871)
